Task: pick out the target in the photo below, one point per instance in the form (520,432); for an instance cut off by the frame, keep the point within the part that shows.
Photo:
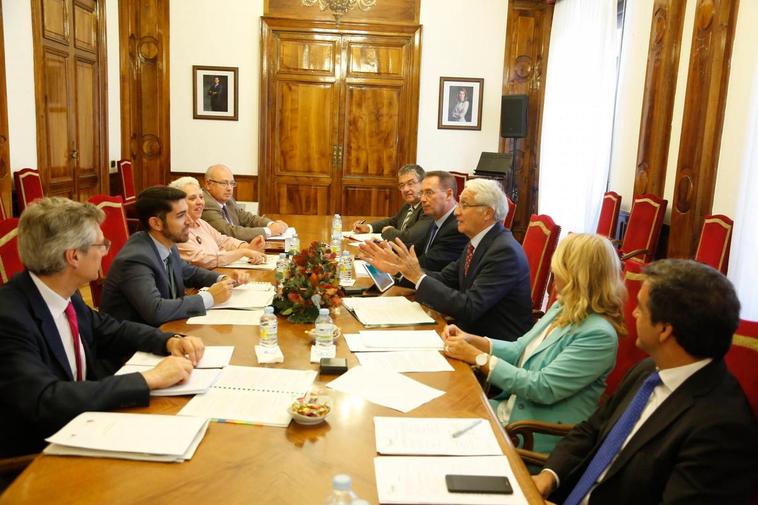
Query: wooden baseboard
(247,185)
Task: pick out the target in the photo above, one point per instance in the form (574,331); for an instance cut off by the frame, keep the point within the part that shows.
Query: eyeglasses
(464,205)
(408,184)
(231,184)
(106,244)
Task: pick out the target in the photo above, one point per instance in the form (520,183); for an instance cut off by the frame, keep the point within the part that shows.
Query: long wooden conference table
(258,464)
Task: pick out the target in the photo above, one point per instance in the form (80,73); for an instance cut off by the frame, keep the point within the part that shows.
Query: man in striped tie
(679,429)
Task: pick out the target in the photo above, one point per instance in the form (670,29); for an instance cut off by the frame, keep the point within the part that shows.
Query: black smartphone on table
(489,484)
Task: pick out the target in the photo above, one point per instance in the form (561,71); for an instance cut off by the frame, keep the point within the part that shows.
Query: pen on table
(467,428)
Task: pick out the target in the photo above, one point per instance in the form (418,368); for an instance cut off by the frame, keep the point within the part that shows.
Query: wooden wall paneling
(5,162)
(658,101)
(703,119)
(145,121)
(71,96)
(385,11)
(526,52)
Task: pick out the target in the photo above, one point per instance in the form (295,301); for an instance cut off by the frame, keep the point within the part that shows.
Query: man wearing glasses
(222,212)
(409,183)
(52,345)
(486,290)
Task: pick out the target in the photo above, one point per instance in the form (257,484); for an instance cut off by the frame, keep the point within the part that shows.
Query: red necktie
(74,324)
(469,255)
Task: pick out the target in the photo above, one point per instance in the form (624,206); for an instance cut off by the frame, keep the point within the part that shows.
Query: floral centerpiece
(312,282)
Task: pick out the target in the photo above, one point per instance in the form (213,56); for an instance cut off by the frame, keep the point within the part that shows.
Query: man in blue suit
(486,290)
(147,279)
(53,346)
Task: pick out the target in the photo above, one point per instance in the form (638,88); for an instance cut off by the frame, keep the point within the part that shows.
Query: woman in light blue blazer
(556,371)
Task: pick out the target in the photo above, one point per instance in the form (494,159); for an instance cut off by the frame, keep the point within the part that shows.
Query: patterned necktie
(407,218)
(613,442)
(431,237)
(170,273)
(469,255)
(74,324)
(226,214)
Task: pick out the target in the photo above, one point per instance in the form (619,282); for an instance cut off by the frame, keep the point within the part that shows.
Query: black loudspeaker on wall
(513,116)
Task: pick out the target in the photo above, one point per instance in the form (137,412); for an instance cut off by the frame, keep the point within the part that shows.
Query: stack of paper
(387,311)
(435,436)
(390,340)
(362,237)
(244,263)
(215,356)
(288,233)
(386,388)
(422,480)
(200,381)
(129,436)
(405,361)
(254,295)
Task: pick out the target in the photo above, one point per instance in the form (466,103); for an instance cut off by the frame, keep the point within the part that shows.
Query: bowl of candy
(311,409)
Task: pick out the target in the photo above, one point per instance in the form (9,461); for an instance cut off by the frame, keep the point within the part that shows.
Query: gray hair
(412,168)
(184,181)
(489,193)
(50,226)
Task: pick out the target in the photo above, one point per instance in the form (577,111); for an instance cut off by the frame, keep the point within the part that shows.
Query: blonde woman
(556,371)
(207,247)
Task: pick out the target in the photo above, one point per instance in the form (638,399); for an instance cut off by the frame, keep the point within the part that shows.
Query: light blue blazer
(563,379)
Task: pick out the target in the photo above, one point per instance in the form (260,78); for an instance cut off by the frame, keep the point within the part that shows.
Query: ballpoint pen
(467,428)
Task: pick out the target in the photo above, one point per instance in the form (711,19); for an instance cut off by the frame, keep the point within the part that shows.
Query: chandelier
(340,7)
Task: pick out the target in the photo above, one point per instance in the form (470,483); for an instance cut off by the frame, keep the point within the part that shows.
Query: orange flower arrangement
(312,282)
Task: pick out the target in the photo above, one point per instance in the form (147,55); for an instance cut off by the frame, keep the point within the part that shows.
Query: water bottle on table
(294,244)
(282,268)
(342,491)
(324,330)
(269,329)
(346,269)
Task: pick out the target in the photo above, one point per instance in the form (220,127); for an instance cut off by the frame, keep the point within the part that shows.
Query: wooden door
(5,165)
(338,116)
(71,95)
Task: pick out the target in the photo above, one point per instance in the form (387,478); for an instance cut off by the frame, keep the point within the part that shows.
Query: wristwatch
(481,359)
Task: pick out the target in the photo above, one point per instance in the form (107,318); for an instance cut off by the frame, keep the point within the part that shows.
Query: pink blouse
(207,247)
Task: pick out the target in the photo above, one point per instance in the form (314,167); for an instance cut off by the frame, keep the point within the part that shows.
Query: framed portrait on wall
(460,105)
(214,91)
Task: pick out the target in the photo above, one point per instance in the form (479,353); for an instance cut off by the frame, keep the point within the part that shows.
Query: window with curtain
(577,125)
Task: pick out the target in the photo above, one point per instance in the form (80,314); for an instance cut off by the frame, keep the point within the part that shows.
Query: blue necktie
(431,237)
(613,442)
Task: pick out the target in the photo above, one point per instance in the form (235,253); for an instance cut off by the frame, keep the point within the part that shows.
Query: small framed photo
(460,103)
(215,92)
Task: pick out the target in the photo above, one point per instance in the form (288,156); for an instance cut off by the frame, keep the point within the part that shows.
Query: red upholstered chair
(742,359)
(628,354)
(128,191)
(460,180)
(508,221)
(715,242)
(115,229)
(539,245)
(643,228)
(28,187)
(609,214)
(10,261)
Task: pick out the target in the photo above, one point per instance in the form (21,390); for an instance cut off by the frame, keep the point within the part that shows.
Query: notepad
(244,263)
(288,233)
(405,361)
(362,237)
(435,436)
(252,395)
(199,381)
(214,356)
(387,311)
(148,437)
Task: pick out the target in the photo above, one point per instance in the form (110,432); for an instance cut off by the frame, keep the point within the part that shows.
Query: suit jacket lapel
(163,285)
(47,325)
(479,253)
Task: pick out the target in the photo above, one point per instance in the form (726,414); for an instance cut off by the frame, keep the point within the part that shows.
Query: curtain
(577,125)
(743,260)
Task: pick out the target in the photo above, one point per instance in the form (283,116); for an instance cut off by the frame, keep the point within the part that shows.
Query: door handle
(74,154)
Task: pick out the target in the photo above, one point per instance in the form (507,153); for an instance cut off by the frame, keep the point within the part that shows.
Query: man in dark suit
(223,213)
(147,279)
(52,344)
(486,290)
(679,429)
(436,240)
(409,183)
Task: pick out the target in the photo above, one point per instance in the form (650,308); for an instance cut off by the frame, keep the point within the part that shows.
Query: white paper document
(252,395)
(386,388)
(317,353)
(214,356)
(229,316)
(421,480)
(288,233)
(401,339)
(406,361)
(362,237)
(360,268)
(244,263)
(387,311)
(435,436)
(248,296)
(200,381)
(129,436)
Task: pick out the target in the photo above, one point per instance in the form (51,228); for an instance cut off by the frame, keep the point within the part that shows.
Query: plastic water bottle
(337,244)
(282,267)
(346,269)
(269,328)
(294,244)
(324,330)
(342,491)
(337,224)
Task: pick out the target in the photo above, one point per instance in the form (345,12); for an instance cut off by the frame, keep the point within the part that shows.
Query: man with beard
(147,278)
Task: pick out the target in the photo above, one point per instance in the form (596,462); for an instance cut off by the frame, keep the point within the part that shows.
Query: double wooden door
(69,56)
(339,111)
